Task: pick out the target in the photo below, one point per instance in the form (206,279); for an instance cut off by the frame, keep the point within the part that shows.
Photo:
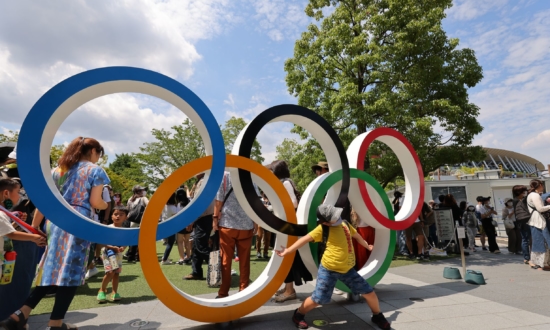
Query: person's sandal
(299,321)
(282,298)
(11,324)
(279,292)
(64,326)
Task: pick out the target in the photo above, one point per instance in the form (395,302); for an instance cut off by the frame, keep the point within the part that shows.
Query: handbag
(214,272)
(509,224)
(495,224)
(136,212)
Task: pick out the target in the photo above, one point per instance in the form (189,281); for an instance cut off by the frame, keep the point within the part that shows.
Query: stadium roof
(510,161)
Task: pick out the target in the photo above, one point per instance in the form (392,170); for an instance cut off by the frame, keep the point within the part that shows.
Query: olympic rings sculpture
(346,180)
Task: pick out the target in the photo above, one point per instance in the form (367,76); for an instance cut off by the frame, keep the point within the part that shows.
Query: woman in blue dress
(63,265)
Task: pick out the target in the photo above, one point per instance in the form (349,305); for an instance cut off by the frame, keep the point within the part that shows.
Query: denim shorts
(326,280)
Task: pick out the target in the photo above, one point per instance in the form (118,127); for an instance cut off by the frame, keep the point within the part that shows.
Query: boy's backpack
(322,246)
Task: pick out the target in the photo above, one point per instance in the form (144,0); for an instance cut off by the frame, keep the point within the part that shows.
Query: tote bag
(214,272)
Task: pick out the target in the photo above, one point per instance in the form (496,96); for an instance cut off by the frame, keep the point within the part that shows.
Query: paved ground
(515,297)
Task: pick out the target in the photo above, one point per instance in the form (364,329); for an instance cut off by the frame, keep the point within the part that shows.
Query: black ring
(245,149)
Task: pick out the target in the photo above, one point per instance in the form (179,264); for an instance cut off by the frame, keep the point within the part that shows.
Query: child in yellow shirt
(337,264)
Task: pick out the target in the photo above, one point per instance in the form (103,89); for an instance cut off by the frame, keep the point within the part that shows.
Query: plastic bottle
(8,267)
(112,259)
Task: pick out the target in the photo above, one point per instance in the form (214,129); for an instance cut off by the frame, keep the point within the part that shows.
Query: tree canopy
(388,63)
(174,148)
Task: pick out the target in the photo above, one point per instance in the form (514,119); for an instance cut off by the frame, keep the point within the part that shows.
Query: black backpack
(136,212)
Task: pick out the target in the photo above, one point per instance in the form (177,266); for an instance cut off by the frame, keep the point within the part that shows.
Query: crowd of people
(56,262)
(524,217)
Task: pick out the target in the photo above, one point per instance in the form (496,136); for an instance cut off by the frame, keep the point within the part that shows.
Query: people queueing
(80,182)
(522,217)
(482,235)
(111,256)
(512,228)
(469,219)
(540,234)
(338,263)
(487,211)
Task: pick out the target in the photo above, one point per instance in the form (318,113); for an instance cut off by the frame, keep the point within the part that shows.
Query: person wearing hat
(320,168)
(337,264)
(138,199)
(513,232)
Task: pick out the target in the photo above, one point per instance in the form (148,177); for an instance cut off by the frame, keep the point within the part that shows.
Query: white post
(461,233)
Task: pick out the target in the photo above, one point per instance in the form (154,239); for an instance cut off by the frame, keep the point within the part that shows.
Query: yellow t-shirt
(339,255)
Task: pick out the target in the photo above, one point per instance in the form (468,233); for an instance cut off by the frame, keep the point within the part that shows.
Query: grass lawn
(133,287)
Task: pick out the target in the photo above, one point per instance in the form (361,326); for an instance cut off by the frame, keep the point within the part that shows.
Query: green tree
(230,132)
(10,136)
(128,166)
(170,150)
(299,157)
(56,153)
(180,145)
(388,63)
(121,184)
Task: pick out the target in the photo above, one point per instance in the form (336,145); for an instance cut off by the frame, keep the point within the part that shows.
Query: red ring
(383,220)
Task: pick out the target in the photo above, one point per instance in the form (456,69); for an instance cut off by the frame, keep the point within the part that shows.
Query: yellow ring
(211,310)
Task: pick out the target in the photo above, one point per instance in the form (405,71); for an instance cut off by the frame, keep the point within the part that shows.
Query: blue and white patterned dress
(66,257)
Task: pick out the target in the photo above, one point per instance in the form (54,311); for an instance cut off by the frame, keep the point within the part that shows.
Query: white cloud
(514,101)
(464,10)
(281,19)
(42,43)
(230,101)
(539,141)
(119,121)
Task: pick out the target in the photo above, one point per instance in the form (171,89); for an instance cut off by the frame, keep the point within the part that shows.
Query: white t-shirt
(169,211)
(5,229)
(106,195)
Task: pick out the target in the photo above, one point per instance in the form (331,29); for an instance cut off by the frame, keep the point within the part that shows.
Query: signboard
(444,224)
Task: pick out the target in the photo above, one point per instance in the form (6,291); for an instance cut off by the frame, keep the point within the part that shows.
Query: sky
(231,54)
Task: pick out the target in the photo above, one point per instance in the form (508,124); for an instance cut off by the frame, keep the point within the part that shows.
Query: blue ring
(39,191)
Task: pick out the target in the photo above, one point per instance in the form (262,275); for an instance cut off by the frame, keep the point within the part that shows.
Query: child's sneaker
(115,297)
(299,321)
(101,297)
(380,321)
(91,273)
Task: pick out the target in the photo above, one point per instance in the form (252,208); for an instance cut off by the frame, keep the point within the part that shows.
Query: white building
(489,182)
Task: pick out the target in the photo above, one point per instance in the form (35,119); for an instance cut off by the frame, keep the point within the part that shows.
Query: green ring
(332,179)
